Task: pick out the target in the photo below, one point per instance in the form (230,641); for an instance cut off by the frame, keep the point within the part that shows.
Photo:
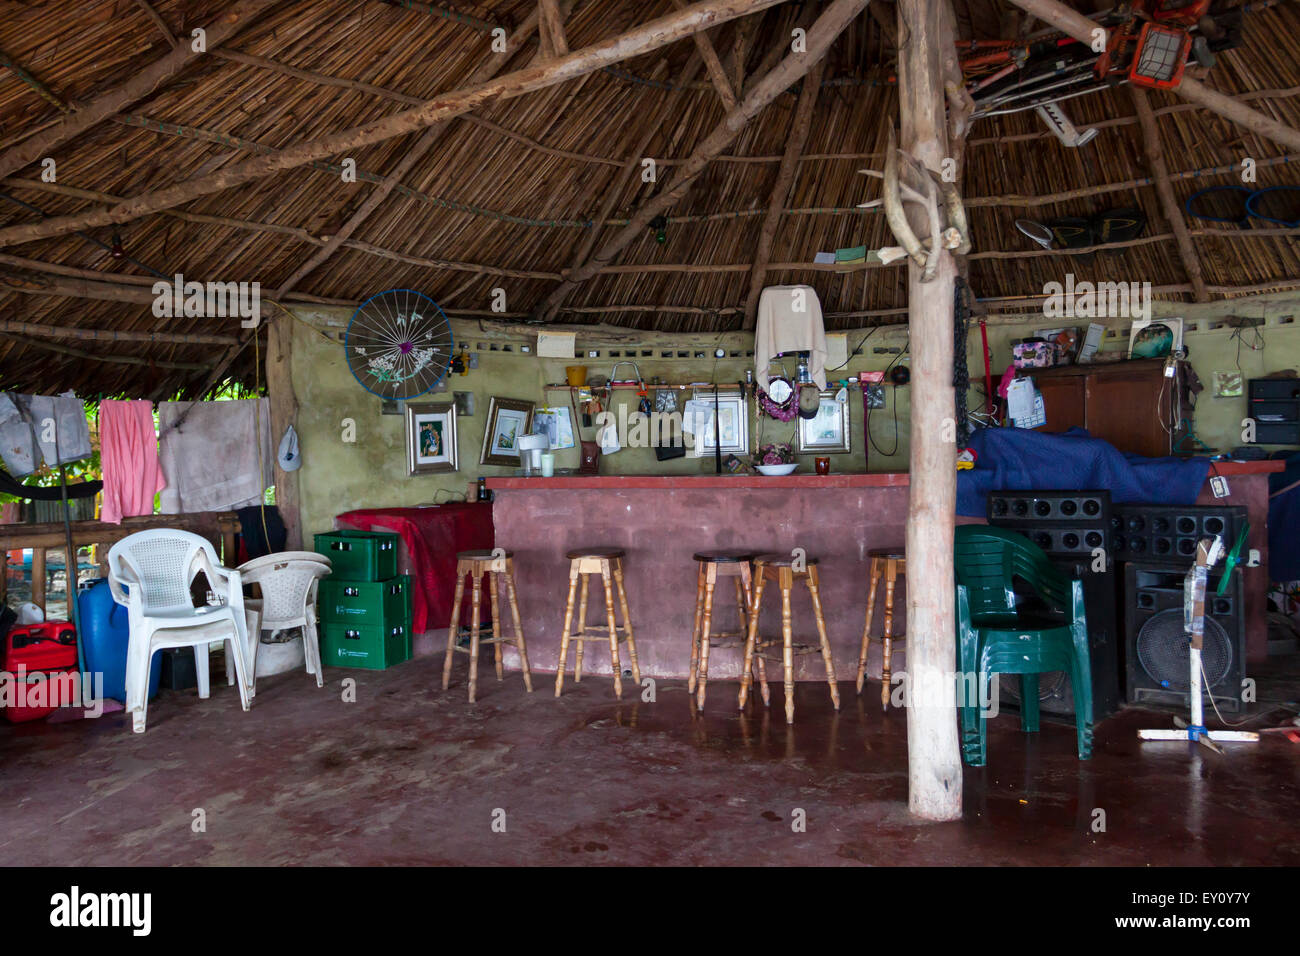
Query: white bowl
(777,469)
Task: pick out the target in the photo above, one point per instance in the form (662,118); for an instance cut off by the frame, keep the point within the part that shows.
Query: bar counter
(661,520)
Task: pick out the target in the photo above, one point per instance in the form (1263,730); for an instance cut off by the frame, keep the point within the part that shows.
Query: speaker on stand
(1073,528)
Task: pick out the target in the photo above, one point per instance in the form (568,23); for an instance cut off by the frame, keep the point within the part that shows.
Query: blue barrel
(105,630)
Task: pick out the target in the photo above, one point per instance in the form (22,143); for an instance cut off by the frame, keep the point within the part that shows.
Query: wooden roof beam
(820,36)
(634,160)
(1075,24)
(141,84)
(489,67)
(549,20)
(158,22)
(1169,205)
(799,128)
(713,64)
(642,39)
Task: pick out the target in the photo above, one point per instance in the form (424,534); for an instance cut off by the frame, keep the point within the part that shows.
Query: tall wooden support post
(284,412)
(1169,205)
(933,758)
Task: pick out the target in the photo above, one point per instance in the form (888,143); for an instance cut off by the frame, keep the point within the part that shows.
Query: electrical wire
(871,438)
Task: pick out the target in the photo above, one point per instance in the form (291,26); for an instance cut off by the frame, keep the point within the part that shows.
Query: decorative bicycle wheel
(398,344)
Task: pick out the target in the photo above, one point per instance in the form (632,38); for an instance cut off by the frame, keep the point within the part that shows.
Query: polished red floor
(411,774)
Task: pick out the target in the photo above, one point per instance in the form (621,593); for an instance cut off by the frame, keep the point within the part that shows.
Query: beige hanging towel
(790,320)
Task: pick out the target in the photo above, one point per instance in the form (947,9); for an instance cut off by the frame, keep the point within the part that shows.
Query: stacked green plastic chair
(1017,614)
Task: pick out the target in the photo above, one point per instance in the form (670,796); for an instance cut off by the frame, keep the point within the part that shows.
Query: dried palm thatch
(523,189)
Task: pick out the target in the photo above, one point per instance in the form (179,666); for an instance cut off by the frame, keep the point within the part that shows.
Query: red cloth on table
(431,537)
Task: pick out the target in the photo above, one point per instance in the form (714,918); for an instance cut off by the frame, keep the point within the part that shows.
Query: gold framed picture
(431,445)
(508,420)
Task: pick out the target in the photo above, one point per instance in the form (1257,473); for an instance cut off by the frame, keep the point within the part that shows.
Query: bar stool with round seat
(889,563)
(712,566)
(608,563)
(785,571)
(477,564)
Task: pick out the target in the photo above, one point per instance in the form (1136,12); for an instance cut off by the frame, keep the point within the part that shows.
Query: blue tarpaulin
(1019,459)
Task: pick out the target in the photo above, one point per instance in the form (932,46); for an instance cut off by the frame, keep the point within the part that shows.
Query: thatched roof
(506,197)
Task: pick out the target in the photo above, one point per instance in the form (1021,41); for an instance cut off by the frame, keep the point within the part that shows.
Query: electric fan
(398,344)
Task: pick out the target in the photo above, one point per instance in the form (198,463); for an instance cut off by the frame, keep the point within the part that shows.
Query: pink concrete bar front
(662,520)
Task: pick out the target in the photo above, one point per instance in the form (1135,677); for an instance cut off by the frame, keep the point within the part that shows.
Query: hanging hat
(810,399)
(288,456)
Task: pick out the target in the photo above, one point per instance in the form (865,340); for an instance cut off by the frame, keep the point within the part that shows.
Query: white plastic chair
(157,567)
(289,580)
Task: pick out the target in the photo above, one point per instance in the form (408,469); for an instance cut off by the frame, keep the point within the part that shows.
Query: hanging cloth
(128,452)
(790,320)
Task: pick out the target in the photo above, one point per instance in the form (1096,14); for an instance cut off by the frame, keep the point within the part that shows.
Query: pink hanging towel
(128,453)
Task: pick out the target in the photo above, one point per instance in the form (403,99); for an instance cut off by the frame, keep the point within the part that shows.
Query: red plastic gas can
(36,653)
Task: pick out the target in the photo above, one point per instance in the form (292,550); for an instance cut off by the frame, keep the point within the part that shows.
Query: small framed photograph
(828,432)
(431,445)
(508,420)
(732,426)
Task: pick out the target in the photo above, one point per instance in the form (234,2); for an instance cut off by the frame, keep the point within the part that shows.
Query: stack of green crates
(364,605)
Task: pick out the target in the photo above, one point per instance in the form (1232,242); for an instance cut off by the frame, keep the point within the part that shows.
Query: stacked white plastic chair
(157,568)
(289,580)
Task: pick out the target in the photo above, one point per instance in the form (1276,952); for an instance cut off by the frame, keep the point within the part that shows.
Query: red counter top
(1246,467)
(888,479)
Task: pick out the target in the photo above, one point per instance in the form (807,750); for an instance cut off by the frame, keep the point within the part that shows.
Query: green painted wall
(339,475)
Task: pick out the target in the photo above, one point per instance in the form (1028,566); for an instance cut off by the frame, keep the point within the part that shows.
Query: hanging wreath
(784,410)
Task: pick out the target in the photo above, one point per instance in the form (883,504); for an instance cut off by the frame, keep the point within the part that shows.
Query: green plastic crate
(372,646)
(359,555)
(364,602)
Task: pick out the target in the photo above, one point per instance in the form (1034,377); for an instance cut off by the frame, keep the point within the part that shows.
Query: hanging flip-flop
(1118,225)
(1073,232)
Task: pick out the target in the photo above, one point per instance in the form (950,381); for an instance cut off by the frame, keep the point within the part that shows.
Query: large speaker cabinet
(1169,533)
(1156,651)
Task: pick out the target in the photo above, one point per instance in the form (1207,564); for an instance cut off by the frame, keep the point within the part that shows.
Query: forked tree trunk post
(933,757)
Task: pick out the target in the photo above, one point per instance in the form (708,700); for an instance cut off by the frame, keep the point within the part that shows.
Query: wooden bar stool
(888,563)
(782,570)
(477,564)
(608,563)
(712,566)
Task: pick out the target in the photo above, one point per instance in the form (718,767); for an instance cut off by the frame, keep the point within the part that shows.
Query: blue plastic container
(104,633)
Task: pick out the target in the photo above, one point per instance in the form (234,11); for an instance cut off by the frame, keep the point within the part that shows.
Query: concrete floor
(409,774)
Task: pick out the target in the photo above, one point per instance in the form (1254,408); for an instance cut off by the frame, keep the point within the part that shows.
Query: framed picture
(431,445)
(828,432)
(733,426)
(508,420)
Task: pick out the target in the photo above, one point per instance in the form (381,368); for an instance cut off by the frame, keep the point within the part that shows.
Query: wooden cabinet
(1125,403)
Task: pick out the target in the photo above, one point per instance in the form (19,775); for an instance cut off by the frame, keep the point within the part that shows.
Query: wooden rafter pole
(1075,24)
(926,41)
(644,38)
(158,22)
(427,141)
(713,64)
(141,84)
(799,128)
(634,159)
(1169,204)
(820,35)
(551,28)
(42,330)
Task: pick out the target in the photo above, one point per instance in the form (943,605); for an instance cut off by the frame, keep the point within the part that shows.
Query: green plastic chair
(1017,614)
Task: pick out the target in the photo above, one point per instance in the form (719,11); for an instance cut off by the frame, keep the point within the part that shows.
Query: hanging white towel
(211,461)
(790,320)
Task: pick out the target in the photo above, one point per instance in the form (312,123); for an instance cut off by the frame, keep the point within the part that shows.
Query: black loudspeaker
(1275,406)
(1170,533)
(1070,526)
(1156,649)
